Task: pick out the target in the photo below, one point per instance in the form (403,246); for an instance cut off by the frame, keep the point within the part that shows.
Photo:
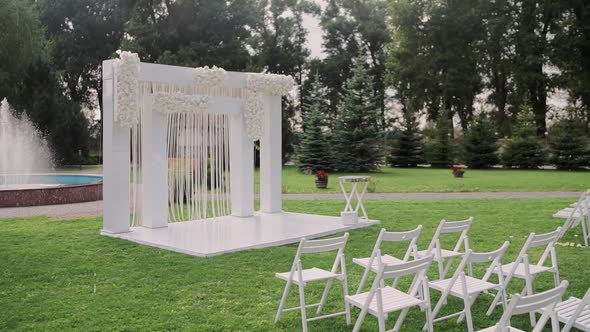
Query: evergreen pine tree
(438,151)
(406,147)
(525,149)
(480,147)
(569,145)
(313,152)
(356,134)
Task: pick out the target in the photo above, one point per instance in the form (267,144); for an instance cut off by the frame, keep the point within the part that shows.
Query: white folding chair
(467,287)
(382,300)
(440,254)
(574,312)
(522,268)
(578,214)
(371,264)
(300,277)
(544,302)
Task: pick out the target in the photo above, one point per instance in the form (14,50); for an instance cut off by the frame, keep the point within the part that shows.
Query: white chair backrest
(411,236)
(446,227)
(471,257)
(417,267)
(545,301)
(579,212)
(539,240)
(318,246)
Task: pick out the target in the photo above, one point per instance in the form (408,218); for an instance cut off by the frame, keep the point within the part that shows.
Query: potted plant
(457,171)
(321,179)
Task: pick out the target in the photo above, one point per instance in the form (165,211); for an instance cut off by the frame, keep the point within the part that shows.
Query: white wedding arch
(179,159)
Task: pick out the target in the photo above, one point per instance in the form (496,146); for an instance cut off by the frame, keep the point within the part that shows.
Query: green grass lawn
(62,275)
(441,180)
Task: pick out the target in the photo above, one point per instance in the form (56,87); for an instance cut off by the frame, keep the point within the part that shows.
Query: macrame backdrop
(197,145)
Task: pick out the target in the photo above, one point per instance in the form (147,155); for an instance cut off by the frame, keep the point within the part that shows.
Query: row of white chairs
(381,300)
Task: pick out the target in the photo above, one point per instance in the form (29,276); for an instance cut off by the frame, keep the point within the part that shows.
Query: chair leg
(495,303)
(282,302)
(302,305)
(441,268)
(346,304)
(381,320)
(400,319)
(325,295)
(447,267)
(554,323)
(359,321)
(529,291)
(429,319)
(467,303)
(363,280)
(585,231)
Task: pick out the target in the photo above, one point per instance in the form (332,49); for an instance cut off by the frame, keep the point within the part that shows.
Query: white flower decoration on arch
(127,87)
(213,77)
(179,102)
(257,86)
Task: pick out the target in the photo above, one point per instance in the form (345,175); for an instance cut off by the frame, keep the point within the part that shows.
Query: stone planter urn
(458,174)
(457,171)
(321,183)
(321,179)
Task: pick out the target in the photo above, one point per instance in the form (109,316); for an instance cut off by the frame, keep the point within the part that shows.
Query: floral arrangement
(271,84)
(258,85)
(179,102)
(253,116)
(127,85)
(457,171)
(213,77)
(321,174)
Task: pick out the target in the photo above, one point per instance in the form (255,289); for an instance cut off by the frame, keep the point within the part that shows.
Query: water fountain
(25,157)
(23,150)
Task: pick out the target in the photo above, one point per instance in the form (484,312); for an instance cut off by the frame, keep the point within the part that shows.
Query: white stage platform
(221,235)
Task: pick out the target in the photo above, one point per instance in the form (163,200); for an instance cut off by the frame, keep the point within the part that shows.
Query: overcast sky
(314,36)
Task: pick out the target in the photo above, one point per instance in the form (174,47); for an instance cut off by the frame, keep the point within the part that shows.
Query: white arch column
(116,162)
(271,157)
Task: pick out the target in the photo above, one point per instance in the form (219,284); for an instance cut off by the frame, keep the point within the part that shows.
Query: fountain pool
(46,189)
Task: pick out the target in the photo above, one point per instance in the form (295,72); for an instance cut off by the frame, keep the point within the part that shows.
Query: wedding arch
(179,158)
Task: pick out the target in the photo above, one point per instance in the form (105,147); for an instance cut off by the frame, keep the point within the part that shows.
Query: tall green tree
(525,149)
(83,34)
(571,53)
(280,43)
(370,18)
(438,151)
(534,21)
(194,33)
(498,60)
(340,47)
(480,147)
(314,150)
(407,147)
(357,146)
(23,43)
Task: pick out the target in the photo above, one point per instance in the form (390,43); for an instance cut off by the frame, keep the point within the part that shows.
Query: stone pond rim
(50,189)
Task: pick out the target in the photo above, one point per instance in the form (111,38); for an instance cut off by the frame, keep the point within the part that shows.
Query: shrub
(569,144)
(524,149)
(406,147)
(480,147)
(438,151)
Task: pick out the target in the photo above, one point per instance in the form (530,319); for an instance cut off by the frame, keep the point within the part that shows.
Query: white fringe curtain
(198,166)
(198,159)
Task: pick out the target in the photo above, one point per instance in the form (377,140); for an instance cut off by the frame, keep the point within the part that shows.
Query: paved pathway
(93,209)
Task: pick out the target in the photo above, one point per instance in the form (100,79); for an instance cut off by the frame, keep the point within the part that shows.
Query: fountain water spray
(23,150)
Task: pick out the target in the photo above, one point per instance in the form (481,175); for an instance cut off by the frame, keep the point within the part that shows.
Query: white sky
(314,35)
